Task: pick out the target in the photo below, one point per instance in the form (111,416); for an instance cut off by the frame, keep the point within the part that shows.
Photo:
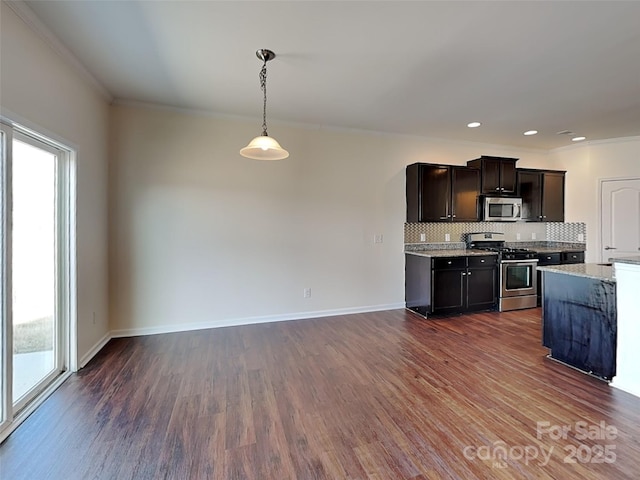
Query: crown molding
(28,16)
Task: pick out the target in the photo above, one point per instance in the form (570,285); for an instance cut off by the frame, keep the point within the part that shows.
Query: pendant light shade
(264,147)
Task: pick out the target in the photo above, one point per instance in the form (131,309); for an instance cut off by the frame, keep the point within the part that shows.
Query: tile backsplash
(514,231)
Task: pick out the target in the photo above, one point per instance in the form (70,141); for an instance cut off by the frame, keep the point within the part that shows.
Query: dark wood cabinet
(446,285)
(542,193)
(442,193)
(482,282)
(497,174)
(465,187)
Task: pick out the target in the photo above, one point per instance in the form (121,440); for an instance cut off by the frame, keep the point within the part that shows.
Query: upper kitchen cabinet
(442,193)
(542,193)
(498,174)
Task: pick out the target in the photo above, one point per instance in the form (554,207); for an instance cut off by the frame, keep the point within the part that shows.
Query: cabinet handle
(497,188)
(548,258)
(444,218)
(463,274)
(449,262)
(482,261)
(453,216)
(612,248)
(468,273)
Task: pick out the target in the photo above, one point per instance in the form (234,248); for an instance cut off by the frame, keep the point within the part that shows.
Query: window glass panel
(33,266)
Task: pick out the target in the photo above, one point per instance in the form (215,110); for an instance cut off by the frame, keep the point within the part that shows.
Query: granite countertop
(588,270)
(631,260)
(449,253)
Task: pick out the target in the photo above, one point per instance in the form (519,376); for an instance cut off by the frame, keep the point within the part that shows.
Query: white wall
(202,236)
(38,87)
(586,165)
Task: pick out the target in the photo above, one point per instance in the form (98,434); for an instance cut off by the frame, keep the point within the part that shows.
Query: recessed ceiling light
(473,124)
(578,139)
(531,132)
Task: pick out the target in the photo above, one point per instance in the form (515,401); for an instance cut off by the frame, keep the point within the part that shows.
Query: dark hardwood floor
(383,395)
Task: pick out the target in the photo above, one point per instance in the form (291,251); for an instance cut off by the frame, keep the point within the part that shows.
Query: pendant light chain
(264,147)
(263,86)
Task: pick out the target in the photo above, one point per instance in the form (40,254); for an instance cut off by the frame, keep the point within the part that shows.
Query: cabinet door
(530,189)
(435,193)
(448,286)
(482,288)
(413,192)
(465,187)
(507,176)
(491,176)
(553,197)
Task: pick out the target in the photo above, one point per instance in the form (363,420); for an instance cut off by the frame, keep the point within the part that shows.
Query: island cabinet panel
(579,322)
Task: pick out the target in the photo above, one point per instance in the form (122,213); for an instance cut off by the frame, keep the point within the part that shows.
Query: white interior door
(620,218)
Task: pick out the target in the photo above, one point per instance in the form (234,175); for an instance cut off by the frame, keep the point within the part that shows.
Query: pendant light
(264,147)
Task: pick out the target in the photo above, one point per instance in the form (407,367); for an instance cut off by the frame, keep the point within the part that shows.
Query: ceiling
(406,67)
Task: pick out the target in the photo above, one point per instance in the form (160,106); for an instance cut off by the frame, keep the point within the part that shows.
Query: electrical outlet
(533,236)
(447,237)
(517,236)
(377,238)
(306,293)
(423,237)
(580,237)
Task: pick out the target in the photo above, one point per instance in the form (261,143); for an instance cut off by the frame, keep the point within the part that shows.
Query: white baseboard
(94,350)
(629,387)
(184,327)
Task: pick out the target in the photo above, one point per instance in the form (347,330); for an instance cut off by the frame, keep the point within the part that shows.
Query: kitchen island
(579,316)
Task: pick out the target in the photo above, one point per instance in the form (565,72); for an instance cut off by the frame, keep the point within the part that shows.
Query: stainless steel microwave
(501,209)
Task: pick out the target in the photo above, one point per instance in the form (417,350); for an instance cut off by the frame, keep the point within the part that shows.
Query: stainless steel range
(517,270)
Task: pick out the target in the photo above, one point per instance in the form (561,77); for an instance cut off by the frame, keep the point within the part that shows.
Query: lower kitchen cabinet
(482,283)
(446,285)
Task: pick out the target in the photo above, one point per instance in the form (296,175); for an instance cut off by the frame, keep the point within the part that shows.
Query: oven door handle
(524,262)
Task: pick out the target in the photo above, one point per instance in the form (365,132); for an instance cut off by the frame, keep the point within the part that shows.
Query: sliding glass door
(35,268)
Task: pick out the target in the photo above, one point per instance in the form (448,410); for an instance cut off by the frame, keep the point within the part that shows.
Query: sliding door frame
(65,351)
